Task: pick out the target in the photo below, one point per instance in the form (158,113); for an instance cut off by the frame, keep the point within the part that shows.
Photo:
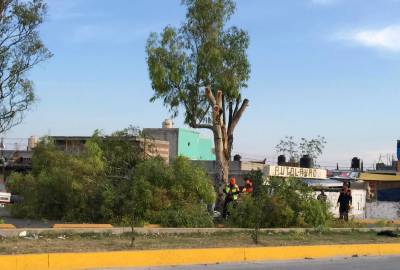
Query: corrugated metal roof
(323,183)
(378,177)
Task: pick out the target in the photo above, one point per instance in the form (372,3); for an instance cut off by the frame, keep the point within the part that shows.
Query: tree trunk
(222,168)
(223,136)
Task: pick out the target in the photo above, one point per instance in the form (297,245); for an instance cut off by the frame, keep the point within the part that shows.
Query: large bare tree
(202,68)
(20,49)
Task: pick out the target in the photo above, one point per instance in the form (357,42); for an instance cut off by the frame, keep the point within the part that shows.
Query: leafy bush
(180,193)
(26,187)
(279,203)
(189,216)
(61,186)
(109,182)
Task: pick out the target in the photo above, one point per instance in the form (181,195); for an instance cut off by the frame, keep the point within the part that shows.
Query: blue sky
(328,67)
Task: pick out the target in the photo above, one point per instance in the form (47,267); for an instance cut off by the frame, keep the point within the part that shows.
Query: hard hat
(232,181)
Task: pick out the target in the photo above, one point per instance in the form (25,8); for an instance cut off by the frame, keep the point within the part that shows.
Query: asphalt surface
(23,222)
(360,263)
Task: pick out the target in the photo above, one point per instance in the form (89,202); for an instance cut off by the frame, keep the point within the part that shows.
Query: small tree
(202,68)
(20,49)
(313,147)
(288,146)
(136,205)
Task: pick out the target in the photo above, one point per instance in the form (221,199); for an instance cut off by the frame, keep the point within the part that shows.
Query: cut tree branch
(237,105)
(210,96)
(237,116)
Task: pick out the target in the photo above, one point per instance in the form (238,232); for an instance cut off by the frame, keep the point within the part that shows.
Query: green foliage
(180,192)
(312,147)
(120,153)
(20,50)
(61,186)
(100,186)
(191,216)
(280,203)
(316,213)
(202,52)
(25,186)
(257,178)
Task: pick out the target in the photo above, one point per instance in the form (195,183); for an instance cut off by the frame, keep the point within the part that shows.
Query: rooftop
(378,177)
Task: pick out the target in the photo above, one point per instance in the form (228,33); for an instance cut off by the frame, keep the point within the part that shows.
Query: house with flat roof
(183,142)
(150,147)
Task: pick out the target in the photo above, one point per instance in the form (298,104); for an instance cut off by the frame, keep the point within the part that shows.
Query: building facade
(149,147)
(183,142)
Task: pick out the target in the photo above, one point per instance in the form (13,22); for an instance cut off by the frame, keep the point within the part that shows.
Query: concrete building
(149,147)
(332,190)
(383,195)
(237,169)
(382,187)
(183,142)
(14,161)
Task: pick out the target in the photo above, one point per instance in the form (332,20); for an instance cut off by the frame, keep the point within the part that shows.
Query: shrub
(189,216)
(279,203)
(61,186)
(180,193)
(26,187)
(100,186)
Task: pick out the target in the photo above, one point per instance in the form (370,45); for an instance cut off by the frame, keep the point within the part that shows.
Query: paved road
(364,263)
(23,222)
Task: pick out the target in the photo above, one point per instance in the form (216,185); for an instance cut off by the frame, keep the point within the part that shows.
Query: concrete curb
(76,261)
(7,226)
(82,226)
(141,230)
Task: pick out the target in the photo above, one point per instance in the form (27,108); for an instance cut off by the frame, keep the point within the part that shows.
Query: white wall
(383,210)
(359,203)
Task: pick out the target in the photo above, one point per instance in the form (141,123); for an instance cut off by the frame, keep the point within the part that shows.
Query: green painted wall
(191,145)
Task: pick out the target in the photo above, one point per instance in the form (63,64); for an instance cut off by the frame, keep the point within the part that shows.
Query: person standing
(248,188)
(231,195)
(344,201)
(322,196)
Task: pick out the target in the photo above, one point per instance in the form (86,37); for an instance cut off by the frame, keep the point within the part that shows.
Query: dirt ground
(99,242)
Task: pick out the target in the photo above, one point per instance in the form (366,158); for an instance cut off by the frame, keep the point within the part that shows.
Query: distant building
(70,144)
(237,169)
(183,142)
(382,187)
(332,190)
(14,161)
(149,147)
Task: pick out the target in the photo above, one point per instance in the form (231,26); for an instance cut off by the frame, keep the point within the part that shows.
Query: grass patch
(87,242)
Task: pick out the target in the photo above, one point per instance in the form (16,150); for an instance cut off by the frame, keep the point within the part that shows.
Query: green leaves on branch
(20,50)
(110,182)
(201,53)
(313,147)
(280,203)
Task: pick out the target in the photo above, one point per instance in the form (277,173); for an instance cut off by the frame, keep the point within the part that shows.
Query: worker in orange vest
(248,188)
(231,195)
